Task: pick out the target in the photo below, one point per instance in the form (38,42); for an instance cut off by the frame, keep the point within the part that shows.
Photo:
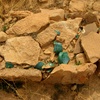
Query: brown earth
(10,89)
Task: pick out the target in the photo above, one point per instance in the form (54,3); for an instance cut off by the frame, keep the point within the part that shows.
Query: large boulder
(29,24)
(70,74)
(21,50)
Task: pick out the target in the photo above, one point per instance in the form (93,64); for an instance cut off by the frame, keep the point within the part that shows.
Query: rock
(96,5)
(77,5)
(1,59)
(91,46)
(2,64)
(81,58)
(21,50)
(55,14)
(29,24)
(91,28)
(20,14)
(73,24)
(89,18)
(70,74)
(43,1)
(17,74)
(78,48)
(3,36)
(49,34)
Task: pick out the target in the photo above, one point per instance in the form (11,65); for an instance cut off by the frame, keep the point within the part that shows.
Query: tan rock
(77,5)
(91,46)
(21,50)
(43,0)
(69,74)
(55,14)
(96,5)
(90,28)
(17,74)
(78,48)
(81,58)
(73,24)
(20,14)
(3,36)
(2,64)
(49,34)
(30,24)
(1,59)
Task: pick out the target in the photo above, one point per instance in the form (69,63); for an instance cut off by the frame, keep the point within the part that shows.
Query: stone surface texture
(21,50)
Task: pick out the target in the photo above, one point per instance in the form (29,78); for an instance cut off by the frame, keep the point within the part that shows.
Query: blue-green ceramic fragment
(58,32)
(39,65)
(63,58)
(9,65)
(58,47)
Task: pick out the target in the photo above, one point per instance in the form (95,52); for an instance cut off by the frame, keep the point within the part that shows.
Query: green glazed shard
(58,32)
(39,65)
(9,65)
(58,47)
(63,58)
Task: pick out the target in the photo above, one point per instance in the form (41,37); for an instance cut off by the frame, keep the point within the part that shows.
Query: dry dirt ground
(39,91)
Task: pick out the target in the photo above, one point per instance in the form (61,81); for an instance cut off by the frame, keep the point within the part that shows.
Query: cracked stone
(21,50)
(70,74)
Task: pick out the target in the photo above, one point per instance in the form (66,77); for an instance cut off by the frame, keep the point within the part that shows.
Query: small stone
(81,58)
(3,36)
(73,88)
(91,46)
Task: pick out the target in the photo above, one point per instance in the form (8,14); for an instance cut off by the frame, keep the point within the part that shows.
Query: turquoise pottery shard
(9,65)
(39,65)
(58,47)
(58,32)
(63,58)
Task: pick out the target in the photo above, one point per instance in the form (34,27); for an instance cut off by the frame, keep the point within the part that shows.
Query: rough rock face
(49,34)
(55,15)
(91,46)
(30,24)
(77,5)
(66,74)
(96,5)
(3,36)
(73,24)
(20,14)
(21,50)
(16,74)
